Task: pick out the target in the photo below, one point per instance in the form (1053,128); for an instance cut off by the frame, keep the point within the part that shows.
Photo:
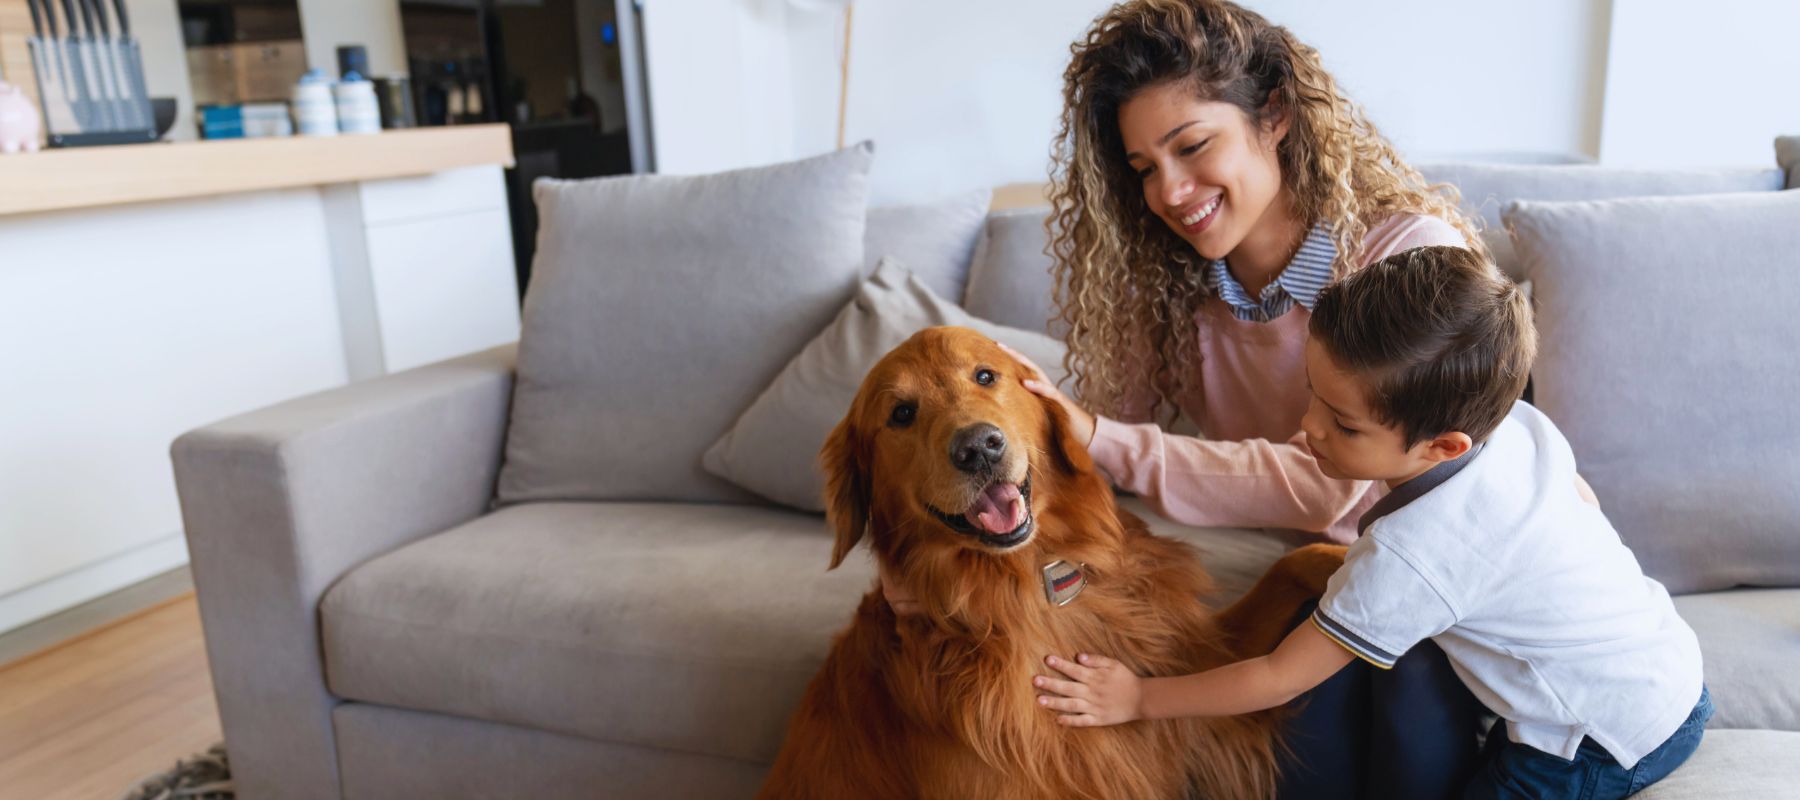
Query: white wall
(1701,88)
(719,83)
(958,95)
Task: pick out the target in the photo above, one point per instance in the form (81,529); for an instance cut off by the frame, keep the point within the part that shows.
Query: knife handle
(124,20)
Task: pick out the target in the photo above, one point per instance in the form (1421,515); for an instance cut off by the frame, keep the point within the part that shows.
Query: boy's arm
(1104,692)
(1303,660)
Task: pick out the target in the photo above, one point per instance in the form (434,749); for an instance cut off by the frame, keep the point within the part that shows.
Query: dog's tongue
(998,509)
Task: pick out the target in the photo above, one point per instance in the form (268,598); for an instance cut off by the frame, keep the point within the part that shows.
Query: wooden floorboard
(88,718)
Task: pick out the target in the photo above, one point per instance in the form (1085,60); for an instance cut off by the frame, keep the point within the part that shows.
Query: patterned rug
(206,776)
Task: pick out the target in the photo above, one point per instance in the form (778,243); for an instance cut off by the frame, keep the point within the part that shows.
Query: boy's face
(1349,442)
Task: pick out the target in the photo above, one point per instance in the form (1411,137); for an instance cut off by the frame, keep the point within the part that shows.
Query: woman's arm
(1253,483)
(1102,691)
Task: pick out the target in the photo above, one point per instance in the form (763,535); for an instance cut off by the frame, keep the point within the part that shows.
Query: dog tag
(1062,581)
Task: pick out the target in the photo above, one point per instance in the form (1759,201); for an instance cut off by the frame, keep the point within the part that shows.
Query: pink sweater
(1252,470)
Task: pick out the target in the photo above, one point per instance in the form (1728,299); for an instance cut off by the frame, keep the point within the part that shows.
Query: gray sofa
(380,627)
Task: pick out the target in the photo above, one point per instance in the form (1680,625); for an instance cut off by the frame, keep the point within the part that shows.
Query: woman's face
(1207,171)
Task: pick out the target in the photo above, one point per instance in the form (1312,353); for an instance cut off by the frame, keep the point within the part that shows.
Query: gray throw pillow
(1787,154)
(1667,356)
(1010,281)
(774,447)
(659,305)
(935,240)
(1488,188)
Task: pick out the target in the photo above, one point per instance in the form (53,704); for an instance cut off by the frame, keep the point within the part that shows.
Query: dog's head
(945,448)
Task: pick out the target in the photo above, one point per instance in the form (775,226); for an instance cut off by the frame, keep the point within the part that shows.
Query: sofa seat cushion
(1734,764)
(690,627)
(1750,644)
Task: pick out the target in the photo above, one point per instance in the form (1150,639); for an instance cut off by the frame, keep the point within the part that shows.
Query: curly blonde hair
(1127,287)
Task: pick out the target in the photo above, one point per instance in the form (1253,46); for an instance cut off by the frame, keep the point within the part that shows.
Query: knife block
(90,90)
(15,55)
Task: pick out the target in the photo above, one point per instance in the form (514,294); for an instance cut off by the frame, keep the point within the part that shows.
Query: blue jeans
(1410,732)
(1516,770)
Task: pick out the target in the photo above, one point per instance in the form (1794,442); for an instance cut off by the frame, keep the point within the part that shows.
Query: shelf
(86,177)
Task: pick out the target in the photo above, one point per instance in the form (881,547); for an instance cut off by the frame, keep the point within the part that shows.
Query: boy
(1485,544)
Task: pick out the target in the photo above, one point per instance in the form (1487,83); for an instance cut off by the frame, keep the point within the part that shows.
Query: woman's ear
(1275,119)
(846,489)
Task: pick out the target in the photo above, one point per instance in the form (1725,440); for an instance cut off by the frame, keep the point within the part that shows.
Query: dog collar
(1063,581)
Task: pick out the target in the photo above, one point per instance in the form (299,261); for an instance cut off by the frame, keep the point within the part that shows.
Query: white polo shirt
(1542,611)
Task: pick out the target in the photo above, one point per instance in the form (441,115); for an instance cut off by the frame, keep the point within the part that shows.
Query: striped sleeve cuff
(1357,645)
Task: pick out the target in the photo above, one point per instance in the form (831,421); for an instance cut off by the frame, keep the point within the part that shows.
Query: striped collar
(1405,493)
(1298,282)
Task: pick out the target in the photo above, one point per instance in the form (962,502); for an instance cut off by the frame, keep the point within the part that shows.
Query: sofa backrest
(1487,189)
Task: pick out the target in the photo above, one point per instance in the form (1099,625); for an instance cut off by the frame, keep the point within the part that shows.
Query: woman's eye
(1194,148)
(903,414)
(1144,174)
(985,377)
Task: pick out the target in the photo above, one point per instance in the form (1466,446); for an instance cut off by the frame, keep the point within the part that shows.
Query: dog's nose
(977,448)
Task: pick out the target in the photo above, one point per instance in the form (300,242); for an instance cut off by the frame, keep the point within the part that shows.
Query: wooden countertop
(85,177)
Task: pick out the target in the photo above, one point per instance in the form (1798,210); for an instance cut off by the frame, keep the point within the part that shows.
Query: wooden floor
(88,718)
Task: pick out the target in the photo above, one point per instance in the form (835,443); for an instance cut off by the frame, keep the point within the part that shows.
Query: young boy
(1485,545)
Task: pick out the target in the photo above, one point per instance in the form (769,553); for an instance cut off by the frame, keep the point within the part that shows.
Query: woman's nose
(1177,188)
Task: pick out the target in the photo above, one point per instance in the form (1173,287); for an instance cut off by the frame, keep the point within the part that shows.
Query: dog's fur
(940,705)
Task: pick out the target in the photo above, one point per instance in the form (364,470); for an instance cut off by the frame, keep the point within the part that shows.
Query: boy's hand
(1100,691)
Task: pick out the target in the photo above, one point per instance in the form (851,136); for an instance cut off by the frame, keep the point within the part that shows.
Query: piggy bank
(18,120)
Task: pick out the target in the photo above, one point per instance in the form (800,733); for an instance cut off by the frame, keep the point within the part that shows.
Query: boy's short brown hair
(1444,341)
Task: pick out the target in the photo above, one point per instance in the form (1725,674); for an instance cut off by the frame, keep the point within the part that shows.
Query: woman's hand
(1100,691)
(898,598)
(1081,423)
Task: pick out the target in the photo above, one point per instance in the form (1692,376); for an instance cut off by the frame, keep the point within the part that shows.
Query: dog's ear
(846,488)
(1071,456)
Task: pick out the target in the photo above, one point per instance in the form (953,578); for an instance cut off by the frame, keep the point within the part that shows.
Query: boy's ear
(846,489)
(1448,446)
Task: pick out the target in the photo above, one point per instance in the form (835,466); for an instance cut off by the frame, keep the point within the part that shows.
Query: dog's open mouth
(1000,517)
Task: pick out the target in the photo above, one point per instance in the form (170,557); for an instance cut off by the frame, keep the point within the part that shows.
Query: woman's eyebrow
(1176,131)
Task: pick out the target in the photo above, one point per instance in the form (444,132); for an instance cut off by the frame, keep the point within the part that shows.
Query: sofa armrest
(281,502)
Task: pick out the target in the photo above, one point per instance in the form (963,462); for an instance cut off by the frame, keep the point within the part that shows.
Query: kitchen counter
(148,289)
(86,177)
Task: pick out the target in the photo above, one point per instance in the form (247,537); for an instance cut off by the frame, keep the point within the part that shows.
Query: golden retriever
(973,495)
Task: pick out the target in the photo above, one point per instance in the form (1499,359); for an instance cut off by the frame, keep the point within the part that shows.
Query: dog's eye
(985,377)
(903,414)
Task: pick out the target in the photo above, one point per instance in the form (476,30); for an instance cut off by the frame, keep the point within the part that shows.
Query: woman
(1210,178)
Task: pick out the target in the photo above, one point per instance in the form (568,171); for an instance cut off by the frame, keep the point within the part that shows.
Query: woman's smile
(1199,218)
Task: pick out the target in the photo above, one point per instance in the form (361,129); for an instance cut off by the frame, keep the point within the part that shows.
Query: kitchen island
(149,289)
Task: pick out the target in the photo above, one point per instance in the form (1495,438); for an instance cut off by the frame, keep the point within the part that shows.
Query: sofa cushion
(689,627)
(659,306)
(1488,188)
(1667,341)
(935,240)
(1750,643)
(1010,281)
(773,448)
(1787,154)
(1734,764)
